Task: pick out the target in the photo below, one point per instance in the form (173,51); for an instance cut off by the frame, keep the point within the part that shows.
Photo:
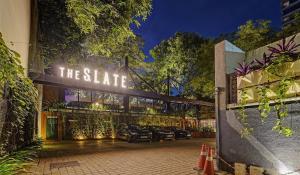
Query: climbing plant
(243,117)
(264,102)
(285,52)
(275,65)
(20,96)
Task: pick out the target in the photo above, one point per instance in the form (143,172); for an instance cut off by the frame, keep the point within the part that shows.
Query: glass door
(51,130)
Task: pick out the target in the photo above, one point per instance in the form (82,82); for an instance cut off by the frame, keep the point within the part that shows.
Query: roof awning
(70,83)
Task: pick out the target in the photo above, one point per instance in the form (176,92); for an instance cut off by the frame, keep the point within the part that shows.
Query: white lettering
(70,73)
(106,79)
(62,71)
(96,77)
(77,72)
(86,75)
(123,81)
(116,76)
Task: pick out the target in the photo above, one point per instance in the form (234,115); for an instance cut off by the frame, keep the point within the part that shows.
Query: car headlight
(133,133)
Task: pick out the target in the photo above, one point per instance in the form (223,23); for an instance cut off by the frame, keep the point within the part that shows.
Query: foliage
(273,63)
(243,69)
(107,23)
(151,111)
(21,97)
(79,31)
(253,34)
(59,37)
(17,161)
(281,108)
(98,107)
(207,129)
(243,117)
(265,62)
(291,28)
(264,102)
(287,48)
(187,59)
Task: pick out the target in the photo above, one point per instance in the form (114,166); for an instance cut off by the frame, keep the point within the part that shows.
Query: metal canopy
(70,83)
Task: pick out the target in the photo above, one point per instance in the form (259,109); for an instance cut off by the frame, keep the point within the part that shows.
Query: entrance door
(51,129)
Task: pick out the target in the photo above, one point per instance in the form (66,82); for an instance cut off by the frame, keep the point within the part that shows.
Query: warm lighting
(62,71)
(123,81)
(80,137)
(77,75)
(86,75)
(106,79)
(99,136)
(93,76)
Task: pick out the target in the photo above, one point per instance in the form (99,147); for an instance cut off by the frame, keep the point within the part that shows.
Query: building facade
(288,9)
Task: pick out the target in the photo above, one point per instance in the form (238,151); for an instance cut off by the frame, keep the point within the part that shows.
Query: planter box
(250,82)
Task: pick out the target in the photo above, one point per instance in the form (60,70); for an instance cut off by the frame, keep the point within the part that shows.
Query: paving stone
(167,158)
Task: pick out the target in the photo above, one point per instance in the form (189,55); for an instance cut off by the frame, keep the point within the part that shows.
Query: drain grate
(63,164)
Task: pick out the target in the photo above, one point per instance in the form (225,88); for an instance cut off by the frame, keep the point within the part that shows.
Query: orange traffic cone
(209,164)
(202,157)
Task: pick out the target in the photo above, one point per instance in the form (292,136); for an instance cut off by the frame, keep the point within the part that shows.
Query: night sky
(208,18)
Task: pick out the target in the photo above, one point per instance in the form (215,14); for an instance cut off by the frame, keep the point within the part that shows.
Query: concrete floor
(113,157)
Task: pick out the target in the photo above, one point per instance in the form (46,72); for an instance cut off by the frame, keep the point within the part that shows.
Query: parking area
(113,157)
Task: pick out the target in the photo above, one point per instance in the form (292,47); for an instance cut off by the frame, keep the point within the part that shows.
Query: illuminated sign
(94,76)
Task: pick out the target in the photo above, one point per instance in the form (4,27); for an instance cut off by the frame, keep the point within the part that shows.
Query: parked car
(159,133)
(180,133)
(133,133)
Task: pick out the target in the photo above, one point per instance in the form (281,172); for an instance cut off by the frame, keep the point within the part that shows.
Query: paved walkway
(117,157)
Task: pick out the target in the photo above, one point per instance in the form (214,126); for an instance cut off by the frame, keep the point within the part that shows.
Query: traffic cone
(202,157)
(209,164)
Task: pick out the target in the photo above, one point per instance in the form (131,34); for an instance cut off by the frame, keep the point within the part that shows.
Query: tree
(253,35)
(187,59)
(107,23)
(73,30)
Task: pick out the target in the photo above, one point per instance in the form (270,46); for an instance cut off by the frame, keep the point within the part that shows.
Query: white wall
(15,27)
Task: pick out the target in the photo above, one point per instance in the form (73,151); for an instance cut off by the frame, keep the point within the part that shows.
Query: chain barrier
(228,164)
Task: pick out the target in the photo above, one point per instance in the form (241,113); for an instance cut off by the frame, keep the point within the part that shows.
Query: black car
(180,133)
(133,133)
(159,133)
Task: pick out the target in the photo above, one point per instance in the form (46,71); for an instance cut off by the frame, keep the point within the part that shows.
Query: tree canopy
(72,30)
(253,34)
(107,24)
(187,59)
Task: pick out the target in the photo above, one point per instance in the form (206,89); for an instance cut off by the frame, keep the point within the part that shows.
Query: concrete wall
(264,147)
(258,53)
(15,26)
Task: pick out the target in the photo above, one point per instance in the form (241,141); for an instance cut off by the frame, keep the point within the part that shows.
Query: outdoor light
(94,76)
(86,75)
(62,71)
(77,74)
(116,76)
(99,136)
(106,79)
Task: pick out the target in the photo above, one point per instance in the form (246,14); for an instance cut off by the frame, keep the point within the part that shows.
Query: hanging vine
(264,102)
(243,117)
(281,109)
(274,64)
(20,96)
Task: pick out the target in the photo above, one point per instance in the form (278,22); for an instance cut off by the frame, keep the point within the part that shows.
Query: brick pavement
(114,158)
